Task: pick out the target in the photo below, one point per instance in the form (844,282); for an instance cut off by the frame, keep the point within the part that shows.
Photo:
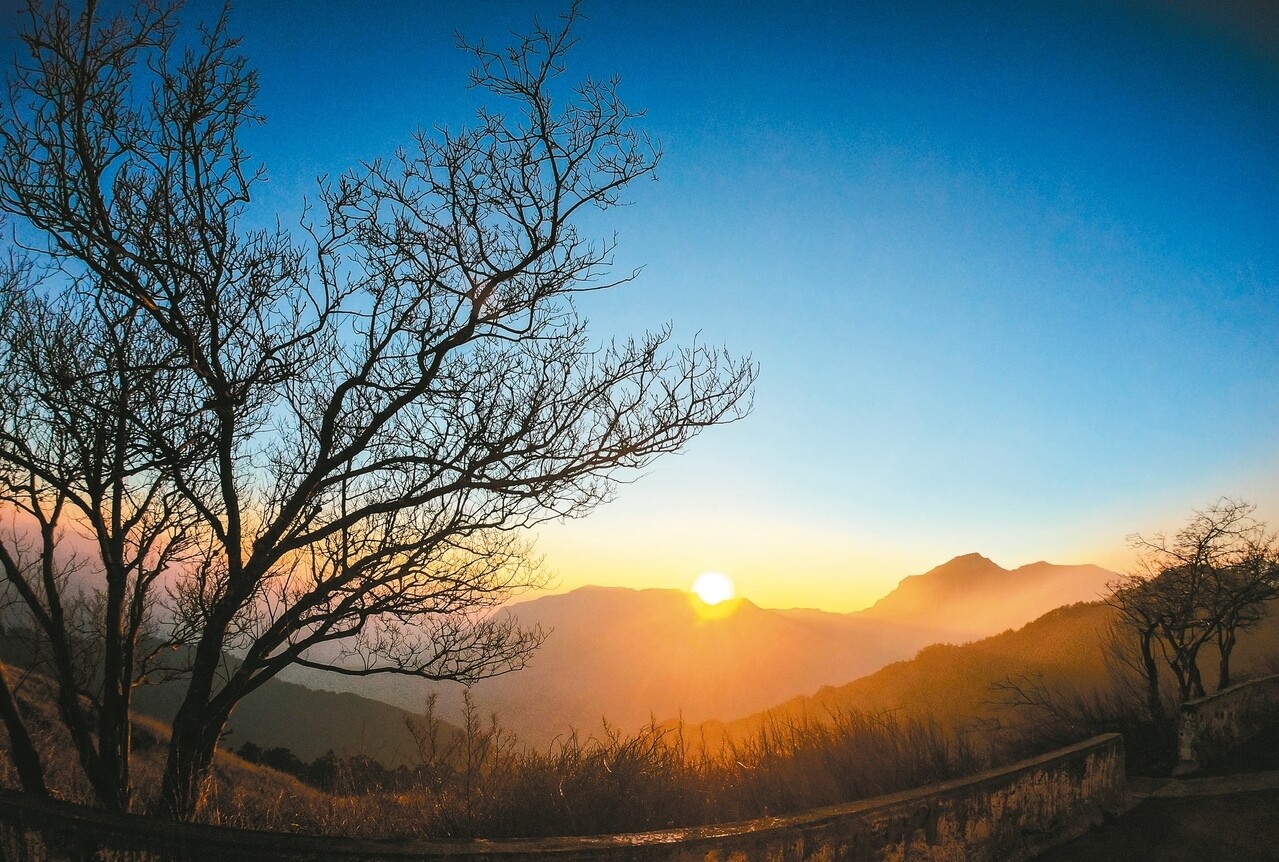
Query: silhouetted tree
(284,760)
(1139,613)
(1202,585)
(322,772)
(26,759)
(313,448)
(250,751)
(1240,591)
(83,387)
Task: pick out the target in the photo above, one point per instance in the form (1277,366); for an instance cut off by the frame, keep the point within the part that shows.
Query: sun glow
(713,587)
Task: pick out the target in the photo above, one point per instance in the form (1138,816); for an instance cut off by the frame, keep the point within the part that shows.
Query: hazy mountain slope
(953,683)
(977,597)
(304,720)
(629,655)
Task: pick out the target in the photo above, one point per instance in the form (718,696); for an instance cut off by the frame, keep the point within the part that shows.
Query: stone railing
(1210,726)
(1006,814)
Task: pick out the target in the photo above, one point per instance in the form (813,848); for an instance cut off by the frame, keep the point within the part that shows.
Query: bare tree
(335,436)
(1139,614)
(26,759)
(1241,589)
(1201,585)
(22,750)
(83,391)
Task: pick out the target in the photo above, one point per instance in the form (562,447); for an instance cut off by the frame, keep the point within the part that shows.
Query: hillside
(306,721)
(953,683)
(631,655)
(240,793)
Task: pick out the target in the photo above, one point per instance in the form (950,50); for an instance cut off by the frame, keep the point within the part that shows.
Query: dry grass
(482,783)
(239,794)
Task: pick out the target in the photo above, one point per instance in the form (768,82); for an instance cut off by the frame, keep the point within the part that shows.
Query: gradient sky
(1010,270)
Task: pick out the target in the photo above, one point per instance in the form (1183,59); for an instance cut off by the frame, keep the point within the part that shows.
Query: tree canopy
(1200,585)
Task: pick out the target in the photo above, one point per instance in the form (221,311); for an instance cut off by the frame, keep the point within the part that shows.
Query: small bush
(1046,714)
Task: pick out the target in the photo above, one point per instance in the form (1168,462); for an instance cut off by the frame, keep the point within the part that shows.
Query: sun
(713,587)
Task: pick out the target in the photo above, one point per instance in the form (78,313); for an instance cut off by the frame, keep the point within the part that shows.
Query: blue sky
(1010,271)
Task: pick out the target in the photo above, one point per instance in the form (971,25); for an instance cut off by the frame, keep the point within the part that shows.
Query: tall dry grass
(482,783)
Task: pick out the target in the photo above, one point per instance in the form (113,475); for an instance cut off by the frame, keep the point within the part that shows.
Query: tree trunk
(1223,667)
(1196,681)
(114,743)
(196,729)
(114,731)
(1182,675)
(187,770)
(23,751)
(1154,702)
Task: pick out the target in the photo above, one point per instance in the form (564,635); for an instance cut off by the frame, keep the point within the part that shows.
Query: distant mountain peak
(977,596)
(962,566)
(973,556)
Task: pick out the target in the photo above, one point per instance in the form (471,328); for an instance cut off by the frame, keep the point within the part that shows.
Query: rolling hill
(309,722)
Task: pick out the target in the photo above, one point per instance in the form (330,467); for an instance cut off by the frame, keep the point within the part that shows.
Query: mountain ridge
(988,598)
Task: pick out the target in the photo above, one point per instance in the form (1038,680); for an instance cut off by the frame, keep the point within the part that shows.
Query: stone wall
(1006,814)
(1211,726)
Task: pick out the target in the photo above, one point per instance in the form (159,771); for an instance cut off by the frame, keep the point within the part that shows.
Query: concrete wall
(1211,726)
(1007,814)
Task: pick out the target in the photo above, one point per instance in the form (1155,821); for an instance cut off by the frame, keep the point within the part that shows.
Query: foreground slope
(239,794)
(306,721)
